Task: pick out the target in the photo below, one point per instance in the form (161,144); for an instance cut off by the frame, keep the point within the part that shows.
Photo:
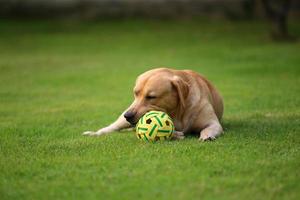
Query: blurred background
(278,12)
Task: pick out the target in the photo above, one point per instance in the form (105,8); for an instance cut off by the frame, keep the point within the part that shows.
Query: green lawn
(58,79)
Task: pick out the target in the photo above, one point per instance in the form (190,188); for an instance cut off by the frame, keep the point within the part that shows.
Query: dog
(190,99)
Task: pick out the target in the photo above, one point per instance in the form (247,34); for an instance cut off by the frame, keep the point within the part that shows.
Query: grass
(58,79)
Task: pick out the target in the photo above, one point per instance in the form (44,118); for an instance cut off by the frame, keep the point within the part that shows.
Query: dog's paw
(102,131)
(89,133)
(206,137)
(177,135)
(92,133)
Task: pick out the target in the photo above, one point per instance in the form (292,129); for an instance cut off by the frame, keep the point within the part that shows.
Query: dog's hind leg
(118,125)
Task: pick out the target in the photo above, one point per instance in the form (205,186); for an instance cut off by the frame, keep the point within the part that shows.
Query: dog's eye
(150,97)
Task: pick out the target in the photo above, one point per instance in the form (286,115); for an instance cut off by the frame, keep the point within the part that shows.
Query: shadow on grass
(262,126)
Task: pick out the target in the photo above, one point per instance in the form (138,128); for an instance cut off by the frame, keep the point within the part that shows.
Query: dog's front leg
(118,125)
(178,135)
(212,131)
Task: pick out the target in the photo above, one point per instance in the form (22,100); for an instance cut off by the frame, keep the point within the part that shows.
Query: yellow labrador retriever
(191,100)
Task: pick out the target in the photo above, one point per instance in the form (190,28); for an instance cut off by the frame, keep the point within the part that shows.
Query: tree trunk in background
(277,11)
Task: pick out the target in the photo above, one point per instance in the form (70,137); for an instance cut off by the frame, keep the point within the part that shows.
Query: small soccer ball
(153,126)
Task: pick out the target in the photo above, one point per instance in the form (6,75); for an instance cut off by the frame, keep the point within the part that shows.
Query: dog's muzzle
(130,117)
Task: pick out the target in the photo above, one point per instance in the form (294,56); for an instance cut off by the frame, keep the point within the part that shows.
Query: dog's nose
(129,116)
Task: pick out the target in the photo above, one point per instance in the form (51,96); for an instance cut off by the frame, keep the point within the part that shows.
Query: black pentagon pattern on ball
(167,123)
(148,121)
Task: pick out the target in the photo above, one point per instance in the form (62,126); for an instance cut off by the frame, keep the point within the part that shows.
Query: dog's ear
(182,89)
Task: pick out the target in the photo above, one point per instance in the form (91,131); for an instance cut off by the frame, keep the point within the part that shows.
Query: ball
(154,126)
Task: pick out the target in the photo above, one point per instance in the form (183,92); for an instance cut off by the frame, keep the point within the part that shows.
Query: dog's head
(158,90)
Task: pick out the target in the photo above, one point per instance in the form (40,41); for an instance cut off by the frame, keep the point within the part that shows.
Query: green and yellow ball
(154,126)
